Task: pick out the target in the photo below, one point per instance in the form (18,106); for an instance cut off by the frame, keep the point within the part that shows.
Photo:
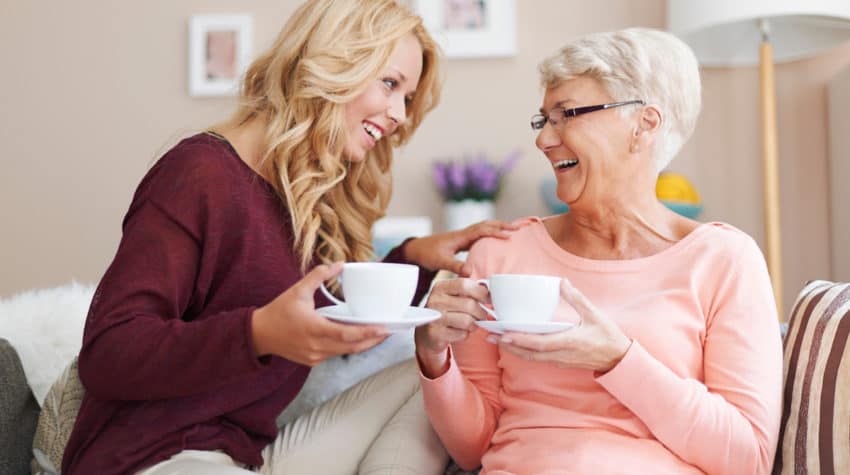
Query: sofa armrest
(815,431)
(18,413)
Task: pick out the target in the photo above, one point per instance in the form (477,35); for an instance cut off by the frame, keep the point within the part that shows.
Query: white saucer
(495,326)
(413,317)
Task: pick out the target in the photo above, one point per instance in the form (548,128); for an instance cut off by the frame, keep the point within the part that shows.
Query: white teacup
(523,298)
(376,290)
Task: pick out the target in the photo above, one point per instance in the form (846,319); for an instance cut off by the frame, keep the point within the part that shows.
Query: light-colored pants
(378,426)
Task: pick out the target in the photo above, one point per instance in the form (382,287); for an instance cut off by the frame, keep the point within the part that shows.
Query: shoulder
(198,161)
(493,252)
(726,254)
(723,239)
(196,180)
(523,236)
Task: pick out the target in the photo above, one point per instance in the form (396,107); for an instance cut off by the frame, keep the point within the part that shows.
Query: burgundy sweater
(167,357)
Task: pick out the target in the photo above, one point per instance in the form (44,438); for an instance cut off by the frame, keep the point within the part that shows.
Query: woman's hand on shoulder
(437,251)
(597,343)
(457,301)
(290,327)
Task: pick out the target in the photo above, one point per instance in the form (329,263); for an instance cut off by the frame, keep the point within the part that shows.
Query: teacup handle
(329,295)
(486,283)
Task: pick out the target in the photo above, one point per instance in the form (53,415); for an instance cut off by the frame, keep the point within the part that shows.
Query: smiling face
(590,153)
(379,110)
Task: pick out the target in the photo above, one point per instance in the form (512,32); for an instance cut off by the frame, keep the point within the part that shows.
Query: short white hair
(637,63)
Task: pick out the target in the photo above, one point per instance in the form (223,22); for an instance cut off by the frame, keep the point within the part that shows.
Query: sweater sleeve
(729,424)
(463,403)
(140,340)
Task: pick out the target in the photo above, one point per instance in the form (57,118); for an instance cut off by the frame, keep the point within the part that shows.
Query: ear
(647,128)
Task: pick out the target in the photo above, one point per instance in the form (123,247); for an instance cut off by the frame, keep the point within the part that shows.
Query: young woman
(204,326)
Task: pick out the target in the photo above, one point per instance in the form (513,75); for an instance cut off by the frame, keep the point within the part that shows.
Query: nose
(397,110)
(547,138)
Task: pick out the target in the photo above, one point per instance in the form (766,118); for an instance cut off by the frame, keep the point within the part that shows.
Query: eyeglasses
(556,115)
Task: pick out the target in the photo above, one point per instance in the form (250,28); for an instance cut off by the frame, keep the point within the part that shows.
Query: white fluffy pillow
(45,327)
(337,374)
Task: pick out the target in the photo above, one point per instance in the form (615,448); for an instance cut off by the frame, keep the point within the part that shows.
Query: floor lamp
(728,33)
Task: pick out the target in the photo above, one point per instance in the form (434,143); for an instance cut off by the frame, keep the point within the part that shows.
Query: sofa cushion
(58,415)
(18,413)
(46,328)
(815,431)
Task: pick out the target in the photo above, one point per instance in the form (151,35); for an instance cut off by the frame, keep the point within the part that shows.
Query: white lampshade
(727,32)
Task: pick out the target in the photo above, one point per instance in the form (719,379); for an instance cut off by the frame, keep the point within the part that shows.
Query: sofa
(814,437)
(40,334)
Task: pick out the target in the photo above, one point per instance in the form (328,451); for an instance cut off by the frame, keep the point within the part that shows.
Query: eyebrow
(403,77)
(557,104)
(412,93)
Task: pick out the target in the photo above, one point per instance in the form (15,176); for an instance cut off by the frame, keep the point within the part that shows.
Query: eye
(390,83)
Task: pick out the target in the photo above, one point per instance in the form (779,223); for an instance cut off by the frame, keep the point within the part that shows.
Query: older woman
(676,364)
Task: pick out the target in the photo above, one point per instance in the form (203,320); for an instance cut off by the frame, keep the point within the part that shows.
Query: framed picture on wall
(219,52)
(471,28)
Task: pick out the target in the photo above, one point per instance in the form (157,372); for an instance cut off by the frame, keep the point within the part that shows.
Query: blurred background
(93,92)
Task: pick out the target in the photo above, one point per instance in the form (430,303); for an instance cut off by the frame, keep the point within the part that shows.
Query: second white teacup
(377,291)
(523,297)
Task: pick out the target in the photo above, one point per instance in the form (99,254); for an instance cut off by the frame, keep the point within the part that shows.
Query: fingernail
(492,339)
(506,339)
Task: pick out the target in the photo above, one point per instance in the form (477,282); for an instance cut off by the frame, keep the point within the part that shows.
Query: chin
(355,157)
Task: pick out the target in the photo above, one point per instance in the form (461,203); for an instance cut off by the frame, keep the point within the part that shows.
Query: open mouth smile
(564,164)
(373,130)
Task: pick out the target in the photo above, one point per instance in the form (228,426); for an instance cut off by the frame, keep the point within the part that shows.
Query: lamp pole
(770,162)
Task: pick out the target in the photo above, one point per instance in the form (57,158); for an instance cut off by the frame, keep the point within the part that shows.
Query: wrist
(620,353)
(411,252)
(433,364)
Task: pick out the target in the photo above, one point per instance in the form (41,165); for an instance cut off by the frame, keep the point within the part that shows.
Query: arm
(463,403)
(142,342)
(437,252)
(461,395)
(203,287)
(730,423)
(136,345)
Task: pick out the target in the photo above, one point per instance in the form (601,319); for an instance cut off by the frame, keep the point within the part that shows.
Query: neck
(249,141)
(620,228)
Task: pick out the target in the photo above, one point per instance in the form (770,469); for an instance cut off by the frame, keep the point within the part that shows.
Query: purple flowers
(474,178)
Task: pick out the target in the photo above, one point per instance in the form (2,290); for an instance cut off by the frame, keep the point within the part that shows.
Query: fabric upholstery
(18,413)
(57,420)
(815,431)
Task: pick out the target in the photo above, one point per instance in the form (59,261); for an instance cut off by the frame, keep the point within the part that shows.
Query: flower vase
(460,214)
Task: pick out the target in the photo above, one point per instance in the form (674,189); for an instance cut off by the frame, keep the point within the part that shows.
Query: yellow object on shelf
(674,187)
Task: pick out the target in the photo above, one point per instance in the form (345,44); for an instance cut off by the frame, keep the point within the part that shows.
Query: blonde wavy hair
(324,57)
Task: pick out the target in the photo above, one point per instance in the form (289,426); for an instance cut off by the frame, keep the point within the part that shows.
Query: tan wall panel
(93,91)
(839,173)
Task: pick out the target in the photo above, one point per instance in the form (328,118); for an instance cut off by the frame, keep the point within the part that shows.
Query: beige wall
(839,172)
(92,92)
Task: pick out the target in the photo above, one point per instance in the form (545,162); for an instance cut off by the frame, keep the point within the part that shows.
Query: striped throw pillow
(815,432)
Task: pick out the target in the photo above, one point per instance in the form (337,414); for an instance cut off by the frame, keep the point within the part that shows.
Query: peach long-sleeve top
(698,391)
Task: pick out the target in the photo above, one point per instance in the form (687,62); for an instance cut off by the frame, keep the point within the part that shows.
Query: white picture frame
(471,28)
(220,48)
